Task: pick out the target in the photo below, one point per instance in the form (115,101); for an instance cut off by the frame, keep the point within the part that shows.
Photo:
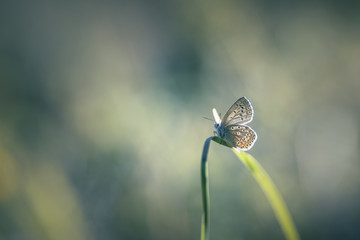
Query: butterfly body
(232,127)
(219,130)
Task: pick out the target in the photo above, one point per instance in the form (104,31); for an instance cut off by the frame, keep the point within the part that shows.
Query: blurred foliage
(101,106)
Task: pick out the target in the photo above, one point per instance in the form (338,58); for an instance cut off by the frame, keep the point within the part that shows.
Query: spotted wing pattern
(240,136)
(241,112)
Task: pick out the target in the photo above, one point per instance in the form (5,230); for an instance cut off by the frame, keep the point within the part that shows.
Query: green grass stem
(205,191)
(271,192)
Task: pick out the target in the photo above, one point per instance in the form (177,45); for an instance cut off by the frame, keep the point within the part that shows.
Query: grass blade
(272,194)
(205,191)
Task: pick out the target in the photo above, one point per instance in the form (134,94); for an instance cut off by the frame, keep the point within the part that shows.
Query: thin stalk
(205,229)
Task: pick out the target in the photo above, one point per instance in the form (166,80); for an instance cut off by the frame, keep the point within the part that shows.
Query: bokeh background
(102,128)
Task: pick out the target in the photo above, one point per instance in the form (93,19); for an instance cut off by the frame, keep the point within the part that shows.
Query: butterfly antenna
(208,119)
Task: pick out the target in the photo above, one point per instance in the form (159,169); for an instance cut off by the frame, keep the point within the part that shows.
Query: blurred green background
(102,106)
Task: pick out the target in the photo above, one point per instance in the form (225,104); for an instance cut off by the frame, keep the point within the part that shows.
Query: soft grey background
(101,128)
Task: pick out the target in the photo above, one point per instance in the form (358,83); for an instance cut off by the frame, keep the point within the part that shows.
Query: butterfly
(232,127)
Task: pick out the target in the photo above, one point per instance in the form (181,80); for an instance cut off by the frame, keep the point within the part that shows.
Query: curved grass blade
(263,179)
(272,193)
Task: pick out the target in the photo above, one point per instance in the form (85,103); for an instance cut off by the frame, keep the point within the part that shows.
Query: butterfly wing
(240,136)
(241,112)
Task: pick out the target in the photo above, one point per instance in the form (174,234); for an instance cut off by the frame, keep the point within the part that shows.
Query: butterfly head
(219,130)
